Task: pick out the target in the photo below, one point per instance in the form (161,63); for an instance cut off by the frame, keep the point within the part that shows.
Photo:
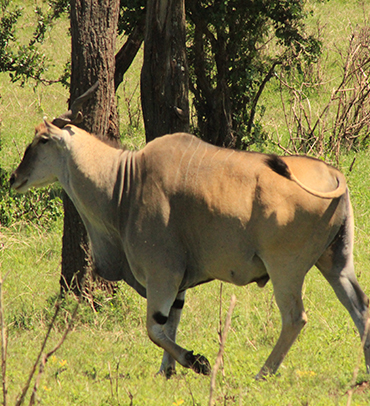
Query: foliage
(131,12)
(24,61)
(59,7)
(21,61)
(39,207)
(234,47)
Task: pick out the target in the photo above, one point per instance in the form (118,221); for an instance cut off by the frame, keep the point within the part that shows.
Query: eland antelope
(181,212)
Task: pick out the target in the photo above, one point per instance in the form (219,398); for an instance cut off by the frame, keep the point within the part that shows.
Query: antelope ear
(54,132)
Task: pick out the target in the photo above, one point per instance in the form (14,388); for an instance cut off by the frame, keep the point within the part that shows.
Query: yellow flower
(62,362)
(178,402)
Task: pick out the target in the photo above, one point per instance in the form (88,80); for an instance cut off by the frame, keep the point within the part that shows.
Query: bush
(322,125)
(40,207)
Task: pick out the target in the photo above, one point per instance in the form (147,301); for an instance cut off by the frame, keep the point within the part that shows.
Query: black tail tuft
(278,165)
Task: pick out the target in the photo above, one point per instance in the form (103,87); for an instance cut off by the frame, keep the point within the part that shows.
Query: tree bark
(214,108)
(212,94)
(164,76)
(93,30)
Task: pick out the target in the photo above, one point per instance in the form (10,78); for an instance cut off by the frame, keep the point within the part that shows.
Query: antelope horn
(74,115)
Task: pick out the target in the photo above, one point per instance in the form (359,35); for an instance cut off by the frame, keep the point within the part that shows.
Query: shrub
(40,207)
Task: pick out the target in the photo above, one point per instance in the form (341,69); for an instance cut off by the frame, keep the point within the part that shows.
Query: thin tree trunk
(164,76)
(93,29)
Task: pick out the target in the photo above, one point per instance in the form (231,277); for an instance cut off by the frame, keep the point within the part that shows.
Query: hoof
(264,374)
(260,377)
(167,373)
(198,363)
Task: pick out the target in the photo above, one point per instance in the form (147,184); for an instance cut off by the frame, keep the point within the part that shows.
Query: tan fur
(181,212)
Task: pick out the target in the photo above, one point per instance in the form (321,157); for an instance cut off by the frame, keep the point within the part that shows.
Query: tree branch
(127,53)
(258,94)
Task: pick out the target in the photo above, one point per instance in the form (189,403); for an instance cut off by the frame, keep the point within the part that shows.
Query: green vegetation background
(108,359)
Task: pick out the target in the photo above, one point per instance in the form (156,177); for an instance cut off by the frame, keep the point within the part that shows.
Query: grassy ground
(107,358)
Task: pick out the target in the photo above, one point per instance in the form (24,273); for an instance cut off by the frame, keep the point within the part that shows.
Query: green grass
(317,370)
(107,358)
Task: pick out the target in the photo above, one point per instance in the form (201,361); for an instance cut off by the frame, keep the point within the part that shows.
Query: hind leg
(168,362)
(289,300)
(336,264)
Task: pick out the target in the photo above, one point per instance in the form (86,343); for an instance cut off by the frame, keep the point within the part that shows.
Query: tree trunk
(164,76)
(93,30)
(211,92)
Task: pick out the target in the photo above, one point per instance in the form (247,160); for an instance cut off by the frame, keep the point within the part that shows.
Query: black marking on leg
(178,304)
(160,318)
(198,363)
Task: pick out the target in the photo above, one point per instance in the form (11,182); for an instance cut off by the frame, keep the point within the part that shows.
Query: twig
(4,342)
(190,391)
(44,358)
(117,376)
(219,332)
(352,164)
(33,370)
(16,146)
(110,381)
(222,348)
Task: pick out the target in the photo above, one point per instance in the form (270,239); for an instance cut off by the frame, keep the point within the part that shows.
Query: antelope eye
(44,140)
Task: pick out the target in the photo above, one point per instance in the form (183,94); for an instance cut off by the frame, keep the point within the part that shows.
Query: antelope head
(41,163)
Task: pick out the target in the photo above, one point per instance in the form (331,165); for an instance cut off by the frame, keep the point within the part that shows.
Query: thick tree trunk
(164,76)
(74,249)
(93,29)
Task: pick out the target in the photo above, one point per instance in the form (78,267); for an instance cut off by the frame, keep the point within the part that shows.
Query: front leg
(160,299)
(168,366)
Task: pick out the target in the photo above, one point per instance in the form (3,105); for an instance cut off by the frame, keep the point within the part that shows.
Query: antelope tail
(280,167)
